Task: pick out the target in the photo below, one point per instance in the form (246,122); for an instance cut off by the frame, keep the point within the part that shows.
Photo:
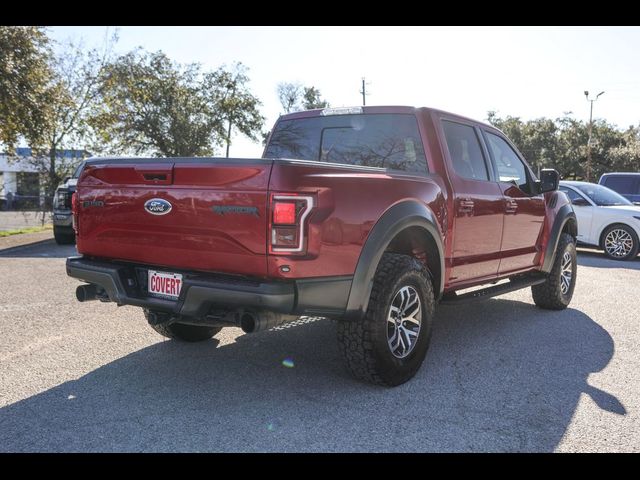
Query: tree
(626,157)
(294,97)
(311,99)
(152,105)
(562,144)
(606,139)
(572,147)
(536,139)
(58,95)
(289,96)
(25,73)
(234,102)
(72,97)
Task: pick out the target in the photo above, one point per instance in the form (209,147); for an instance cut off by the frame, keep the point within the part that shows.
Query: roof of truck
(375,109)
(612,174)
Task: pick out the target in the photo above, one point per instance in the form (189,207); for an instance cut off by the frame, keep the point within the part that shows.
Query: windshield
(602,196)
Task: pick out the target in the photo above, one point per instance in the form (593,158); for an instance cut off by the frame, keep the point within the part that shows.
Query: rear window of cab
(389,141)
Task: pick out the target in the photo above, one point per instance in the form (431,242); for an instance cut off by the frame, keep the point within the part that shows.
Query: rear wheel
(556,292)
(388,345)
(620,242)
(64,236)
(181,331)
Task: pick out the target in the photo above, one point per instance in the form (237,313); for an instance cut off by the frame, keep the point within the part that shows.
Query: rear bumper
(62,219)
(125,284)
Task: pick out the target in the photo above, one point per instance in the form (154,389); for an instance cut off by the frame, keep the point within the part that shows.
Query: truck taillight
(284,213)
(287,225)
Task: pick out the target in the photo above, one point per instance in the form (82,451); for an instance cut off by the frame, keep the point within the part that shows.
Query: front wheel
(389,343)
(620,242)
(556,292)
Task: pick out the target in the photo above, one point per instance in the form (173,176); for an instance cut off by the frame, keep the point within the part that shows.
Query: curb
(18,247)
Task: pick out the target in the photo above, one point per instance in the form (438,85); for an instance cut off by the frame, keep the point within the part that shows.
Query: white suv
(606,219)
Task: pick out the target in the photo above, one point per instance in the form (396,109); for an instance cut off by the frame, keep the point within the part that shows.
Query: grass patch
(17,231)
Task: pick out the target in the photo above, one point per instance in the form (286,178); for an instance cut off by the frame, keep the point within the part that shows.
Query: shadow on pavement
(49,249)
(500,376)
(597,259)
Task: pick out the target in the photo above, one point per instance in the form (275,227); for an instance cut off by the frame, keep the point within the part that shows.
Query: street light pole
(588,169)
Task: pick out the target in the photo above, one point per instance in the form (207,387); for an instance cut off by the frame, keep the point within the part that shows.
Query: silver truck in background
(62,217)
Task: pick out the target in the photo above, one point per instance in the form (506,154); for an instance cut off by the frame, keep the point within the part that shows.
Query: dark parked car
(62,218)
(626,184)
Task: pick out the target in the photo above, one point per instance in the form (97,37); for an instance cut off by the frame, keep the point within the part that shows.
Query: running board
(481,294)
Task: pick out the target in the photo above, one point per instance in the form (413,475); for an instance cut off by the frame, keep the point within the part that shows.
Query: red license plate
(165,284)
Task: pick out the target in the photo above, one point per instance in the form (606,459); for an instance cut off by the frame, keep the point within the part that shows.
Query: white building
(19,177)
(17,174)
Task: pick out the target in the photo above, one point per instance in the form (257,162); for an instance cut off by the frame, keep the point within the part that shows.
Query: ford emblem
(157,206)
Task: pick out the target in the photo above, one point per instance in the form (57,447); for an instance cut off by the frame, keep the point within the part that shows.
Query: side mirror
(580,202)
(549,180)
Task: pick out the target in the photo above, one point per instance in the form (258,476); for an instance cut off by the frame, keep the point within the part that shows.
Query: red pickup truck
(370,216)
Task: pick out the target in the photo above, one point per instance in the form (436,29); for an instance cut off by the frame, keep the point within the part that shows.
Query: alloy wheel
(618,243)
(566,272)
(403,321)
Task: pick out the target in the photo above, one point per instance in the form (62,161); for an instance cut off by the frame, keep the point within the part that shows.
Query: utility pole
(588,169)
(364,92)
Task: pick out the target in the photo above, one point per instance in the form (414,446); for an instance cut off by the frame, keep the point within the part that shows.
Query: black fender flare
(564,215)
(409,213)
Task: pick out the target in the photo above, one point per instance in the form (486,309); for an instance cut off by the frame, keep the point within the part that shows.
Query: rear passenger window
(620,184)
(465,151)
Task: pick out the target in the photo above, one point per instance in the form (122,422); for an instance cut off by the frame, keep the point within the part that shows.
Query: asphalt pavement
(501,375)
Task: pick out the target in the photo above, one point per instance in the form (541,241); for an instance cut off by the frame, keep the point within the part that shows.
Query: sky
(528,72)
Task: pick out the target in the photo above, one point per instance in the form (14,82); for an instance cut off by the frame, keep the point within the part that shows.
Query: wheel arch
(571,227)
(408,227)
(564,222)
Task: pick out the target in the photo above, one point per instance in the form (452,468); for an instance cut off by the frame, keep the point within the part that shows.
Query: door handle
(511,207)
(465,205)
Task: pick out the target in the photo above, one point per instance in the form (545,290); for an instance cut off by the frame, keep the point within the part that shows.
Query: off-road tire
(184,332)
(548,295)
(63,237)
(364,342)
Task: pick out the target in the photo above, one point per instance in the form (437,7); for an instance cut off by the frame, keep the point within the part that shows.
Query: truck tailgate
(216,220)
